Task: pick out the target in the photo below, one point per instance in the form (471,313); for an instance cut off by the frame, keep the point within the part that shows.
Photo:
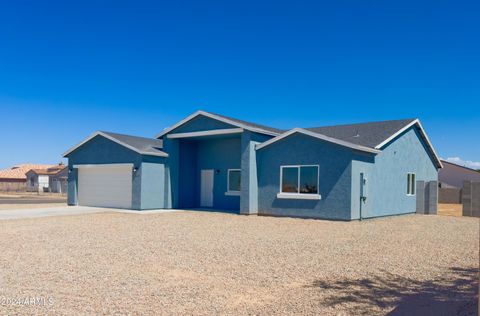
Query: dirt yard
(213,263)
(29,206)
(11,201)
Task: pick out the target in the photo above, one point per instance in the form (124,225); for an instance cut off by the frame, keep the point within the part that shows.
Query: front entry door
(206,188)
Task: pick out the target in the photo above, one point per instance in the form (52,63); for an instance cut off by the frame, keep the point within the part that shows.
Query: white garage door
(105,186)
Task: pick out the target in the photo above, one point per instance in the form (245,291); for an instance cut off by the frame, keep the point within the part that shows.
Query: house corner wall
(359,208)
(248,194)
(72,180)
(137,187)
(406,154)
(249,184)
(151,189)
(171,173)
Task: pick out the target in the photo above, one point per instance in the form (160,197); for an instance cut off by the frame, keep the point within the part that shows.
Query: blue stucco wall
(387,185)
(152,185)
(335,177)
(100,150)
(188,174)
(181,166)
(364,166)
(249,183)
(172,163)
(219,154)
(72,179)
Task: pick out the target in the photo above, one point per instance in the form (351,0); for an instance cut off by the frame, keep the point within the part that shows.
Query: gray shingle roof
(143,144)
(364,134)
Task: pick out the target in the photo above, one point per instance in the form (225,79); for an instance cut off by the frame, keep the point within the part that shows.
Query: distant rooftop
(457,165)
(19,171)
(52,170)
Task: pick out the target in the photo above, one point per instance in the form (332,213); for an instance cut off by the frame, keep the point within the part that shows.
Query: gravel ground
(213,263)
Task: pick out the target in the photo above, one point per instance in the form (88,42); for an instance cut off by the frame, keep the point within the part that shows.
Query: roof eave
(146,153)
(98,133)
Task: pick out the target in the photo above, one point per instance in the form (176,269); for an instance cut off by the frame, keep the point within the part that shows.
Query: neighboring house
(210,161)
(453,175)
(58,181)
(51,179)
(14,178)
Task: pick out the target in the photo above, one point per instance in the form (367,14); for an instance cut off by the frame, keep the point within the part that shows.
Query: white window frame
(230,192)
(298,195)
(414,188)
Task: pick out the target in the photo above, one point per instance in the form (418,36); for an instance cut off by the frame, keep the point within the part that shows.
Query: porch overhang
(215,132)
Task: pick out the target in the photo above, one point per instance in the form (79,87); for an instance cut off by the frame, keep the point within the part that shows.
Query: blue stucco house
(214,162)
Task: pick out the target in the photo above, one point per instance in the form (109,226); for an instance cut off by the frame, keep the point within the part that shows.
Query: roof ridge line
(364,123)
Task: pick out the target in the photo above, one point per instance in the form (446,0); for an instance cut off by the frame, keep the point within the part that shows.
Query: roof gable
(423,136)
(201,123)
(368,137)
(262,129)
(141,145)
(317,136)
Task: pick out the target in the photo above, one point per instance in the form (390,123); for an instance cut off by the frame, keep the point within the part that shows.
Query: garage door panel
(105,186)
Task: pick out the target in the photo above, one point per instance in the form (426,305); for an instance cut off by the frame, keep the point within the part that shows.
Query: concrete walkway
(68,210)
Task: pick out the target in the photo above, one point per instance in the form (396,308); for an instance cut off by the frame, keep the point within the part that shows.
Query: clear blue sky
(69,68)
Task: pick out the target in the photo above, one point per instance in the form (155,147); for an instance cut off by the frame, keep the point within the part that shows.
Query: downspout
(363,198)
(361,201)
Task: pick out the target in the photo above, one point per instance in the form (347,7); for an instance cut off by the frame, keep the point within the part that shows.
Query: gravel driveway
(213,263)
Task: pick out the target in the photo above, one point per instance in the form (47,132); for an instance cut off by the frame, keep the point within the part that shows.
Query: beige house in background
(14,178)
(51,179)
